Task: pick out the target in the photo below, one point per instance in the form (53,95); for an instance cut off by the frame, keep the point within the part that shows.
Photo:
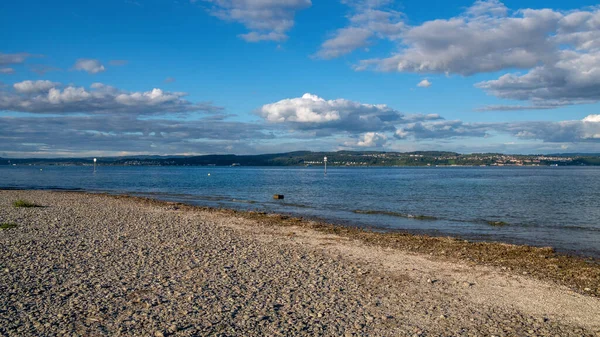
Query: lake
(541,206)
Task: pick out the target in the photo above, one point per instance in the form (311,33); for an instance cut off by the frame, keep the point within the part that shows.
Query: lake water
(542,206)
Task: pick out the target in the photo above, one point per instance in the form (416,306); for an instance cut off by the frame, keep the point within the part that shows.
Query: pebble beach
(85,264)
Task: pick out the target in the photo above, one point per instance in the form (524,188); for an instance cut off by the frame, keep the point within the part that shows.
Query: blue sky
(123,77)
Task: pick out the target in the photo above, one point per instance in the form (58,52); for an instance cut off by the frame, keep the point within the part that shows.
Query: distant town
(340,158)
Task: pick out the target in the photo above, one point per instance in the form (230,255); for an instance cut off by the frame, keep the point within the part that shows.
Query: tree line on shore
(339,158)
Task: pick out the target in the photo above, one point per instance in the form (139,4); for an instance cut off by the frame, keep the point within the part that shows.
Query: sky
(192,77)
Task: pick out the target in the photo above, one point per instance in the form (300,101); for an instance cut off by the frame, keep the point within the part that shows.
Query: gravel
(95,265)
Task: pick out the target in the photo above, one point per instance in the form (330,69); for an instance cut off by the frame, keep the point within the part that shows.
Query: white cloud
(308,109)
(487,8)
(91,66)
(31,87)
(266,20)
(151,98)
(424,84)
(49,97)
(259,37)
(313,112)
(372,139)
(345,41)
(577,131)
(560,52)
(573,78)
(7,71)
(478,41)
(592,119)
(368,19)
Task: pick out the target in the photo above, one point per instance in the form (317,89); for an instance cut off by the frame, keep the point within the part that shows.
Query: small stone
(587,289)
(159,334)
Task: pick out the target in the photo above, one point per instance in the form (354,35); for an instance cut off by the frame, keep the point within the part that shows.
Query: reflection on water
(546,206)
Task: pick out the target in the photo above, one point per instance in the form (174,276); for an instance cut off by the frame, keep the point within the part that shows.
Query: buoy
(209,174)
(278,196)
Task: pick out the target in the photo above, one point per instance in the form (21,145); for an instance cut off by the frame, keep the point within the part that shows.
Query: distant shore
(335,159)
(102,264)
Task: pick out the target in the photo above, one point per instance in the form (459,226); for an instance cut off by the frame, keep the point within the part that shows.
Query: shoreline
(360,225)
(584,272)
(102,264)
(579,273)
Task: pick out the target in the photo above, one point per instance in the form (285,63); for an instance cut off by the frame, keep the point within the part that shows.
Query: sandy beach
(97,265)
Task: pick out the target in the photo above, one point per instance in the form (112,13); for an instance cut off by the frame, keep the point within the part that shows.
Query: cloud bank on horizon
(544,62)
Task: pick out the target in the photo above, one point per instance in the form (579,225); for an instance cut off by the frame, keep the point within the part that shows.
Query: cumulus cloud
(344,41)
(103,118)
(424,84)
(411,118)
(560,52)
(266,20)
(484,39)
(32,87)
(574,78)
(74,120)
(577,131)
(367,19)
(91,66)
(376,125)
(313,112)
(372,139)
(592,119)
(489,7)
(49,97)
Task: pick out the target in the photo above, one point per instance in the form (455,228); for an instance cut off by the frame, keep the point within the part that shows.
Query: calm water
(545,206)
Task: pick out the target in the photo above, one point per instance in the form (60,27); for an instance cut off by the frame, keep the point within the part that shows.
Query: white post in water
(94,164)
(325,161)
